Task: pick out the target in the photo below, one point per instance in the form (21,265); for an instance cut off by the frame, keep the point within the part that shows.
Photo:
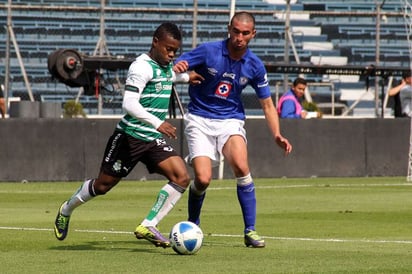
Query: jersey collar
(225,51)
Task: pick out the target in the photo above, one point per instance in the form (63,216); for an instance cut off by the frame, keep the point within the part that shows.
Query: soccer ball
(186,238)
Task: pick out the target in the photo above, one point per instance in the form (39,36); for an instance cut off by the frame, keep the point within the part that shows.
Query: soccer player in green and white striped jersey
(138,137)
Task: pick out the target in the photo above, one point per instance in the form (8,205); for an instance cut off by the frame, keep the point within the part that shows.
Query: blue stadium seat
(40,32)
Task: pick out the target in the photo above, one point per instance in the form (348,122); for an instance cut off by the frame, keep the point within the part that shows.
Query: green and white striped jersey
(154,82)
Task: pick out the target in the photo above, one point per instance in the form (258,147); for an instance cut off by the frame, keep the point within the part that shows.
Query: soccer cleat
(61,225)
(253,239)
(151,234)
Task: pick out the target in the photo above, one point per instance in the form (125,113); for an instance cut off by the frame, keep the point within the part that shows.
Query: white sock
(245,180)
(168,196)
(194,189)
(81,196)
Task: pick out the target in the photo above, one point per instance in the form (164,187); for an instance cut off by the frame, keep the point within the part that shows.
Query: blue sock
(247,199)
(195,203)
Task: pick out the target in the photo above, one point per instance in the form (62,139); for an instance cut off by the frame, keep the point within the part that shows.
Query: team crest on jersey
(223,89)
(158,87)
(243,81)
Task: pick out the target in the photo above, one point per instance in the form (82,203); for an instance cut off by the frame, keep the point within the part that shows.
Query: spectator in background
(2,103)
(402,94)
(290,103)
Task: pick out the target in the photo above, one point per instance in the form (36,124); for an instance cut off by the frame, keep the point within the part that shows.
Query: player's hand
(168,130)
(181,66)
(303,114)
(195,78)
(284,144)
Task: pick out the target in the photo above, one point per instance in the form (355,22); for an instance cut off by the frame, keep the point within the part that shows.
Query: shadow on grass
(130,246)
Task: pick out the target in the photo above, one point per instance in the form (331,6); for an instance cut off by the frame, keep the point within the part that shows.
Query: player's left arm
(272,120)
(260,84)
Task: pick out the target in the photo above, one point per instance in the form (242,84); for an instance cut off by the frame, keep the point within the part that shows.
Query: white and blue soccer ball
(186,238)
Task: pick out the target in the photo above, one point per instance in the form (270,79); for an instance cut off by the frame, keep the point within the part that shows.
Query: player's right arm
(189,60)
(139,74)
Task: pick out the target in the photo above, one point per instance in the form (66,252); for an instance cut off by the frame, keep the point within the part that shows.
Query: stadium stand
(347,38)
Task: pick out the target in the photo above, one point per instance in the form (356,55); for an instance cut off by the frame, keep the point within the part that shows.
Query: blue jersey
(219,96)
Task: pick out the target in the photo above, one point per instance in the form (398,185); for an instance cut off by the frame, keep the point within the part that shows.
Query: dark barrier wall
(71,149)
(332,148)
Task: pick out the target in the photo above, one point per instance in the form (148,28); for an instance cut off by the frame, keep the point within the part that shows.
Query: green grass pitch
(313,225)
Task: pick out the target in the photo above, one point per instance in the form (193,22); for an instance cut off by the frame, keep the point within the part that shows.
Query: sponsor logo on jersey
(229,75)
(265,83)
(223,90)
(159,87)
(212,71)
(167,86)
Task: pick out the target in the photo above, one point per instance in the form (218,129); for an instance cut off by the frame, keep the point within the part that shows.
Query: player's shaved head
(243,16)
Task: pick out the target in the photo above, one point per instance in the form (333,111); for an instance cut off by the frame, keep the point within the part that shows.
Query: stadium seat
(319,39)
(329,60)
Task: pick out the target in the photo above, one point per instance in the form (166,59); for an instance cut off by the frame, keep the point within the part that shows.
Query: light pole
(286,49)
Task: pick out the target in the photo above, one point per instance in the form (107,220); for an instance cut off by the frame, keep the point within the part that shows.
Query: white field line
(324,240)
(313,186)
(257,186)
(226,236)
(266,237)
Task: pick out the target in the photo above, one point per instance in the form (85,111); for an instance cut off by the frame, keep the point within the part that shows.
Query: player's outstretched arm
(195,78)
(181,66)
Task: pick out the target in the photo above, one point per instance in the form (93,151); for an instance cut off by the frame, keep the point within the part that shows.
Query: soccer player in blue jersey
(214,124)
(138,137)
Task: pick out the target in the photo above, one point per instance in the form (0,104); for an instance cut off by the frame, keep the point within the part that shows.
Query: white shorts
(206,137)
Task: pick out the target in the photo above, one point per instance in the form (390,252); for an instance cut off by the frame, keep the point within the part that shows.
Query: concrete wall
(71,149)
(332,148)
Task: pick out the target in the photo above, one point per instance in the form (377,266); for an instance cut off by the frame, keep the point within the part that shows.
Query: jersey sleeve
(261,83)
(181,77)
(133,107)
(139,74)
(194,57)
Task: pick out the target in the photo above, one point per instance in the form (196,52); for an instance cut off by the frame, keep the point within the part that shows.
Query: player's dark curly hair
(168,29)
